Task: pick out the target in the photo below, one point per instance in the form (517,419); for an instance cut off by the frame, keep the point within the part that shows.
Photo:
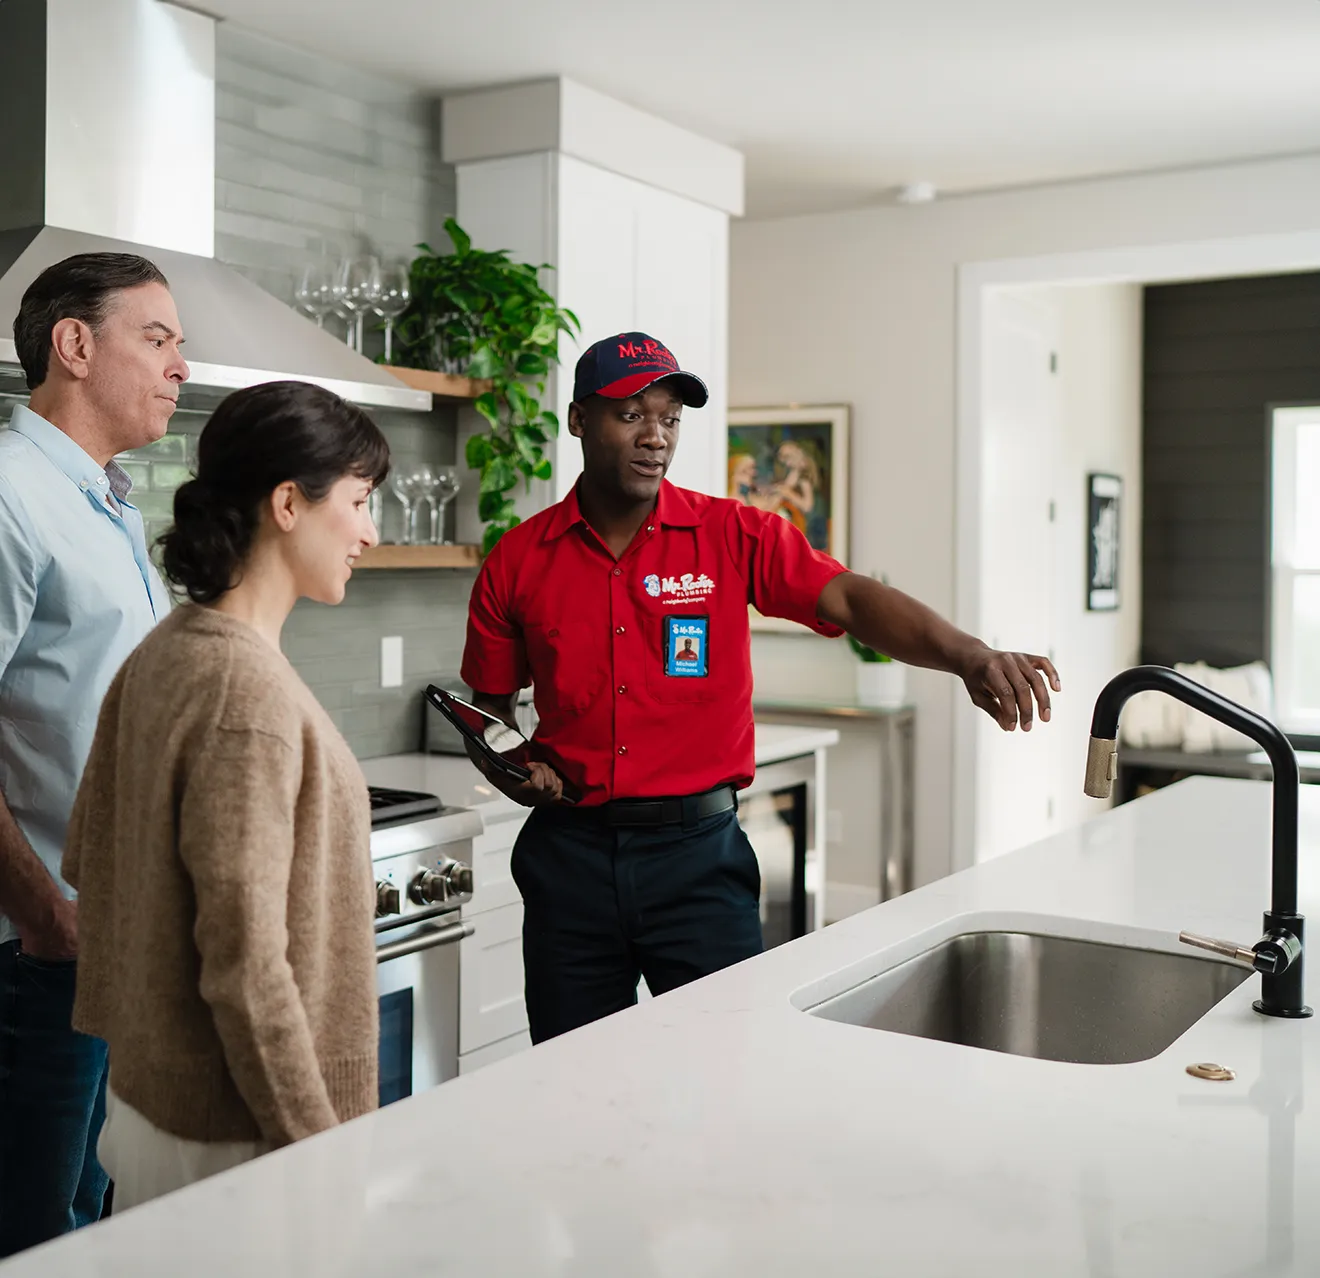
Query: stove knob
(460,879)
(388,898)
(430,887)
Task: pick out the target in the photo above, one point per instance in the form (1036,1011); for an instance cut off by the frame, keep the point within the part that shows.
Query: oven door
(417,980)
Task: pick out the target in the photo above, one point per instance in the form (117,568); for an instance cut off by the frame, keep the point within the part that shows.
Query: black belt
(686,811)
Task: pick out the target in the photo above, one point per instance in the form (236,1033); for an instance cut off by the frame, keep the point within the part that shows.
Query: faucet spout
(1281,980)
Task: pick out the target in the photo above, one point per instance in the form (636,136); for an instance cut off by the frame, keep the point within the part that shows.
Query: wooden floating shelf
(395,557)
(442,385)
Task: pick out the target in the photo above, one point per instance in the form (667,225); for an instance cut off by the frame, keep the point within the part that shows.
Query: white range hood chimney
(107,131)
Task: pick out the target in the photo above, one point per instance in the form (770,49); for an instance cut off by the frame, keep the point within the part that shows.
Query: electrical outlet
(391,661)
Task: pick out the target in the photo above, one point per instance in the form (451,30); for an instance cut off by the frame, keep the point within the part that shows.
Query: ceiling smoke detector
(916,193)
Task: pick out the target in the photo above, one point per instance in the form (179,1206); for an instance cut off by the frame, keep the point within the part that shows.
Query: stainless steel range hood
(107,134)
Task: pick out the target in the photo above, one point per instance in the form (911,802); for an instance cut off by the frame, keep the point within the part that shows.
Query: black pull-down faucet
(1277,956)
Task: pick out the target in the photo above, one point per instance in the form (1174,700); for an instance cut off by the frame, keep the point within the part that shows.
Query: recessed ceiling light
(916,193)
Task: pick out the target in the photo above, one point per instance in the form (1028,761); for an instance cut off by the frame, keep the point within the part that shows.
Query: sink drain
(1215,1073)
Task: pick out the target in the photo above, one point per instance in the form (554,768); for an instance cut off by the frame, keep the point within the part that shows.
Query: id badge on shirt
(686,642)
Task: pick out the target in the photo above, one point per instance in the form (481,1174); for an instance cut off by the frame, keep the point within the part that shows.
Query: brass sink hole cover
(1215,1073)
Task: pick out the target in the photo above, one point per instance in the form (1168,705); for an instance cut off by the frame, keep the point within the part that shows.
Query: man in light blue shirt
(98,337)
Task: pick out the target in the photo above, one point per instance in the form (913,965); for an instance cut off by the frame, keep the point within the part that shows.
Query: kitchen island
(721,1130)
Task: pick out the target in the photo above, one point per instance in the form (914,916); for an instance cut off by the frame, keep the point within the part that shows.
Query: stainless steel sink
(1043,996)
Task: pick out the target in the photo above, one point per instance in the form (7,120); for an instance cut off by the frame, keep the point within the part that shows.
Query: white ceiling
(836,102)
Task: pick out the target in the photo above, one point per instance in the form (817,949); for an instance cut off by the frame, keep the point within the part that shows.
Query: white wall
(1100,388)
(1070,407)
(861,307)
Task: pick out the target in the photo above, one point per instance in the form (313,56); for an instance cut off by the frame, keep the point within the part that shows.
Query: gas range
(421,853)
(416,875)
(396,805)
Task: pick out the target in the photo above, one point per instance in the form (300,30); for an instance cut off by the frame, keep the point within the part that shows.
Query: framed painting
(793,462)
(1103,493)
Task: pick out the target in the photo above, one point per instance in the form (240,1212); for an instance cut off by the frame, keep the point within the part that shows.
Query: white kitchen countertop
(460,785)
(716,1130)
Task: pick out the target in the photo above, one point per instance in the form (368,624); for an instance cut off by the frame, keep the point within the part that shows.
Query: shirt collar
(62,452)
(672,508)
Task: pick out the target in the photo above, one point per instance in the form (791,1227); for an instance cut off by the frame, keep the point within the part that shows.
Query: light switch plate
(391,661)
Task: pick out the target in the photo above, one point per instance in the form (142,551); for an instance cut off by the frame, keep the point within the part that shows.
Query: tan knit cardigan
(220,845)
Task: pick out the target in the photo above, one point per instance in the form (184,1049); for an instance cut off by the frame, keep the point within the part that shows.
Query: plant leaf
(492,507)
(489,407)
(497,476)
(484,362)
(478,451)
(462,240)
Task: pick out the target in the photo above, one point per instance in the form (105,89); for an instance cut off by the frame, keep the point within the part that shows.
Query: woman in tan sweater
(220,841)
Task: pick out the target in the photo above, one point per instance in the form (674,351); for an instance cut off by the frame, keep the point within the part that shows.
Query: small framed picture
(1103,495)
(794,463)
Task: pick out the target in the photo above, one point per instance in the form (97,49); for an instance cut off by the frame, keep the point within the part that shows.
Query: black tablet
(505,748)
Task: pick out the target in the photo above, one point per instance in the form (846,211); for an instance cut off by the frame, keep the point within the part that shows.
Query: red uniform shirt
(596,638)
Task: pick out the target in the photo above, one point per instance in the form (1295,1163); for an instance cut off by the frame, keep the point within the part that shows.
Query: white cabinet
(492,853)
(491,1010)
(635,258)
(484,1056)
(637,236)
(490,999)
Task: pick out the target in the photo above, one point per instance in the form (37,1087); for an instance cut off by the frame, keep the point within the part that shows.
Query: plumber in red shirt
(596,602)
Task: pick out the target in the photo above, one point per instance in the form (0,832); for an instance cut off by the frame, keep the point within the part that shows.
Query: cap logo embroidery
(649,351)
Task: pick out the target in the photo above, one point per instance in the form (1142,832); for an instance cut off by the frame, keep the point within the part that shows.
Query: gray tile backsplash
(316,159)
(337,652)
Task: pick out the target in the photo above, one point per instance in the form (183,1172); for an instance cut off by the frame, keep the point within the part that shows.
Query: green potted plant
(479,314)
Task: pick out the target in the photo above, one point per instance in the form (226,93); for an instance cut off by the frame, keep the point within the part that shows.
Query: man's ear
(577,420)
(72,344)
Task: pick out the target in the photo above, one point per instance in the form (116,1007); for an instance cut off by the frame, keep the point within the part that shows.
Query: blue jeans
(603,907)
(52,1105)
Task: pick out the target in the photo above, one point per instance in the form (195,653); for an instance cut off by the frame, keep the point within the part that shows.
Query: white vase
(881,684)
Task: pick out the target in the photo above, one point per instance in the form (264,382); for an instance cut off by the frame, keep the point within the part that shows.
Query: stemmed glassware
(393,294)
(315,292)
(432,488)
(425,482)
(446,489)
(357,291)
(404,486)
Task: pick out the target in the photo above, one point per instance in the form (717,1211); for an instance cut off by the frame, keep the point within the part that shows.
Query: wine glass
(315,292)
(392,300)
(403,486)
(339,306)
(357,289)
(424,483)
(446,489)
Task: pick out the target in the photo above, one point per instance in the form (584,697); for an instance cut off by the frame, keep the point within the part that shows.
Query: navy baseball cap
(626,364)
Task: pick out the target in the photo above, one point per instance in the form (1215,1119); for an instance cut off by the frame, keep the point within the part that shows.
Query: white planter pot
(881,684)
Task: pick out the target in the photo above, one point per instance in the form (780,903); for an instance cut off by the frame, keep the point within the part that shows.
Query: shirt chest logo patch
(690,587)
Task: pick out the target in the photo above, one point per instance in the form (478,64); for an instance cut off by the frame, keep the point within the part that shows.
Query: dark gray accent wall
(1218,354)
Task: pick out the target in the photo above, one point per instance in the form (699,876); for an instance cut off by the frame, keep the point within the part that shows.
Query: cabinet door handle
(427,940)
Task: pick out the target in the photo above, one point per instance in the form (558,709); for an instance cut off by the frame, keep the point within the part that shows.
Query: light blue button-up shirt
(78,593)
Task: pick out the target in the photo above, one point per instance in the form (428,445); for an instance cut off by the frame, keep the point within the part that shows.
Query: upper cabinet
(633,214)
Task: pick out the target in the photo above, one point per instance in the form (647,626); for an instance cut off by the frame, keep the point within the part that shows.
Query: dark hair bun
(257,439)
(204,550)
